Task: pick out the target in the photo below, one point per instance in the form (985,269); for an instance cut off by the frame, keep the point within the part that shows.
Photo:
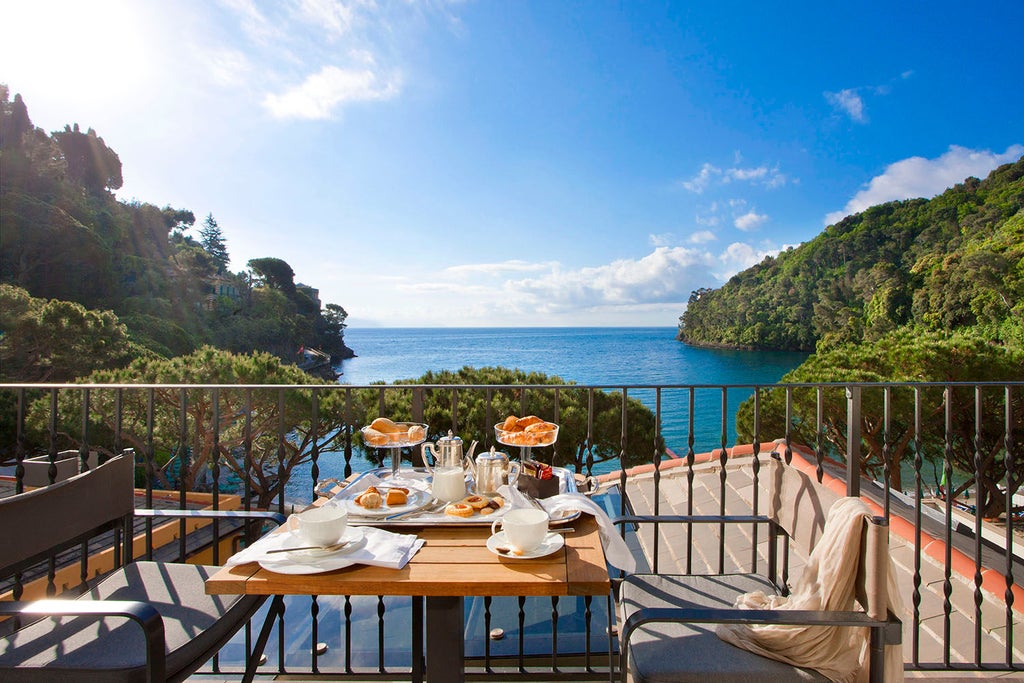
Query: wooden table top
(454,562)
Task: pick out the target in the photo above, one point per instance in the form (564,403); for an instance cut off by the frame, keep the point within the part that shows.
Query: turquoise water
(590,356)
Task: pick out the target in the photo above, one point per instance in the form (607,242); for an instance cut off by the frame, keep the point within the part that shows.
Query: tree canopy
(954,262)
(46,340)
(66,237)
(907,356)
(218,425)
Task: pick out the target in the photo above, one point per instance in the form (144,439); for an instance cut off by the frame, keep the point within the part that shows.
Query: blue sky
(477,163)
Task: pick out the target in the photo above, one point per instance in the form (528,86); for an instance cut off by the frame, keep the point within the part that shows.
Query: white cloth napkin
(381,549)
(615,549)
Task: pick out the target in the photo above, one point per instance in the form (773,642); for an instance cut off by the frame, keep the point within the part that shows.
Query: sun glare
(86,49)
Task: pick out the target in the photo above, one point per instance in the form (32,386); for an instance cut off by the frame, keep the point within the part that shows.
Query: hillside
(954,263)
(64,236)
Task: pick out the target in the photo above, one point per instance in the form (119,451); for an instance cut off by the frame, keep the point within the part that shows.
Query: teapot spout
(472,447)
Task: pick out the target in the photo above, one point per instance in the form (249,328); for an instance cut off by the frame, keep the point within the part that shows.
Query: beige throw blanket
(828,583)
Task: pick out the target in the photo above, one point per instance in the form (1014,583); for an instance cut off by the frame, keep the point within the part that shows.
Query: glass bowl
(405,434)
(540,434)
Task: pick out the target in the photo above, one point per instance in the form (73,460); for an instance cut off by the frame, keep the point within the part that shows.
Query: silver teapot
(448,452)
(493,469)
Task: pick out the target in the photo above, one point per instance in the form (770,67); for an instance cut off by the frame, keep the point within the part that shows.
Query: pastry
(459,510)
(475,502)
(375,437)
(386,426)
(370,499)
(417,433)
(397,497)
(524,422)
(510,423)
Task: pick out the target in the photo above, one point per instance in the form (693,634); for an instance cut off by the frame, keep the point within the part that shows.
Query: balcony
(957,553)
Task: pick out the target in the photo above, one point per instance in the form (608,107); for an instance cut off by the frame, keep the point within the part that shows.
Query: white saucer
(551,543)
(353,538)
(316,561)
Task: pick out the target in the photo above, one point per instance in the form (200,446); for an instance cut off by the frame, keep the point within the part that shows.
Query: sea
(601,356)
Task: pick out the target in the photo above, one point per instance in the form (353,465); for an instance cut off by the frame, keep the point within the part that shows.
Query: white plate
(316,561)
(550,544)
(415,500)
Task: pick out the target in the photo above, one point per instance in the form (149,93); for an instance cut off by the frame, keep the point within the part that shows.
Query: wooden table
(453,564)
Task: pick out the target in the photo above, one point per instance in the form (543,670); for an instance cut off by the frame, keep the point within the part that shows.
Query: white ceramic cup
(448,484)
(524,528)
(321,526)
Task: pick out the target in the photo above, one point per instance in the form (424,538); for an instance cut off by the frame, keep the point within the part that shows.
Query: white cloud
(849,102)
(663,239)
(227,67)
(253,21)
(920,177)
(335,17)
(750,221)
(648,290)
(703,178)
(765,176)
(740,256)
(702,237)
(323,92)
(512,266)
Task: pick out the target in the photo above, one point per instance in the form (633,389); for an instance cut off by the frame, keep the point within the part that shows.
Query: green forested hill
(954,263)
(64,236)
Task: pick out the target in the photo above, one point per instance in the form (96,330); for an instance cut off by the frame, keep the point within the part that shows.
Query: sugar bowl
(493,469)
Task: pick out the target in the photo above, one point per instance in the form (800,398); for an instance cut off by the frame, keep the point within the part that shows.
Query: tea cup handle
(494,526)
(293,522)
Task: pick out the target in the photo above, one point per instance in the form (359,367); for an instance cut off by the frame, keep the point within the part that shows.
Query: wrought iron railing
(273,442)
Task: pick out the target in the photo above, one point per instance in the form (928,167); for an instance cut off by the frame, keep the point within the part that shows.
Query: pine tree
(213,242)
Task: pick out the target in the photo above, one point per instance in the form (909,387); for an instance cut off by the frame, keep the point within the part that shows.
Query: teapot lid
(492,455)
(451,437)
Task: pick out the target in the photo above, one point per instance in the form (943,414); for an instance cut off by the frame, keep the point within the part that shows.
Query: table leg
(446,649)
(276,608)
(417,639)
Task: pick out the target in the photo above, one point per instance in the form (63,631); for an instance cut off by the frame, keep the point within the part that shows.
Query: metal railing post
(853,441)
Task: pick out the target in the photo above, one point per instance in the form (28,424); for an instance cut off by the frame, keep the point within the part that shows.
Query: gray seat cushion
(684,653)
(112,649)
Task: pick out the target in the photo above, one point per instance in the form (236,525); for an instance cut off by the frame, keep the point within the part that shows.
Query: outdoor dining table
(453,564)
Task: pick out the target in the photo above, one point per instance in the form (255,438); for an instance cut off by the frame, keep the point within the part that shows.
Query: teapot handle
(423,455)
(514,470)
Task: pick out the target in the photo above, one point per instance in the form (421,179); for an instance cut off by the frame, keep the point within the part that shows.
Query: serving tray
(419,518)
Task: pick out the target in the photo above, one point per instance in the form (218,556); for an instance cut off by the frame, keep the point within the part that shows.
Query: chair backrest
(67,464)
(798,503)
(40,522)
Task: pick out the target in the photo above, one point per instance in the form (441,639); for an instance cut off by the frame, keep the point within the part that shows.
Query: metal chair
(145,621)
(665,635)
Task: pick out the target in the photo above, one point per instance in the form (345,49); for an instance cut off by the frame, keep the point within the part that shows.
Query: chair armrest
(142,613)
(213,514)
(711,615)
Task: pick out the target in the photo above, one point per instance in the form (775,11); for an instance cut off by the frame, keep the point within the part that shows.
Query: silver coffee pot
(493,469)
(447,453)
